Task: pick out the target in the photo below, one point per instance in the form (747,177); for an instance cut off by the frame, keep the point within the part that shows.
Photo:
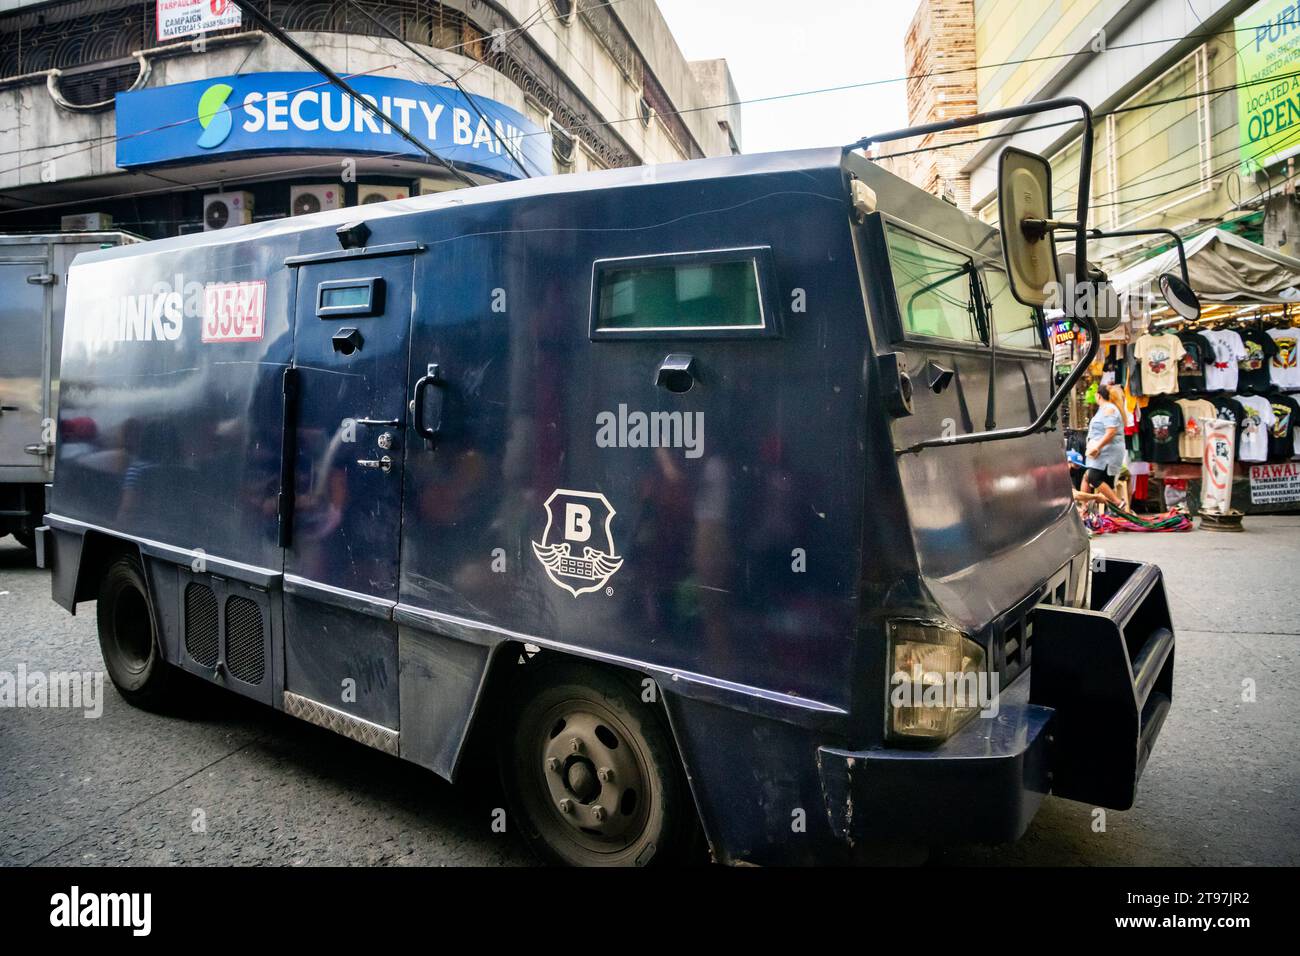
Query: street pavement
(231,782)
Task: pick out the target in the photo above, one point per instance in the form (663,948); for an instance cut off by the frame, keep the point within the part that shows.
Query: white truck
(33,283)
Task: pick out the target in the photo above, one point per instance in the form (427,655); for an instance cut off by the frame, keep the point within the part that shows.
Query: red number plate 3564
(234,311)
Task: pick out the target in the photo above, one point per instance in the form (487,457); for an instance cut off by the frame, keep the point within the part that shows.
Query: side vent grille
(201,624)
(245,640)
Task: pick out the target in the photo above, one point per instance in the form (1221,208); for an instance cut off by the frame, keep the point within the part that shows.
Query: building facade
(1196,102)
(116,110)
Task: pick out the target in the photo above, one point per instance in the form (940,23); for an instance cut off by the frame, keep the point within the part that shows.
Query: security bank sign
(301,112)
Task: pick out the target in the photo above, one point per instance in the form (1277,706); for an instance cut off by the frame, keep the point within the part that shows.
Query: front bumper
(1080,724)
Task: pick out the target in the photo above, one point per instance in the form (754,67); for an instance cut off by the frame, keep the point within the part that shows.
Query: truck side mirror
(1179,295)
(1024,210)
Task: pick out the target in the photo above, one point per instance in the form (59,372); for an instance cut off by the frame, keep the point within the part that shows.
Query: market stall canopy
(1223,267)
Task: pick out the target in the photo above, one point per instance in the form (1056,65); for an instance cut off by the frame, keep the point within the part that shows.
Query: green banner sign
(1268,98)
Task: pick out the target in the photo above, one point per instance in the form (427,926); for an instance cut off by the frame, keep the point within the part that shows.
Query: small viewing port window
(343,297)
(683,295)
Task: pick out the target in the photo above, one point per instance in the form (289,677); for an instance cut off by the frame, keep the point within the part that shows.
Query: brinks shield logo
(577,546)
(214,116)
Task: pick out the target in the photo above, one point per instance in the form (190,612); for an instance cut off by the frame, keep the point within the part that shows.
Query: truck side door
(341,560)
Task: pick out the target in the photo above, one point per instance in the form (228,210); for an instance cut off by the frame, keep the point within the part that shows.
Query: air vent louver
(201,624)
(245,640)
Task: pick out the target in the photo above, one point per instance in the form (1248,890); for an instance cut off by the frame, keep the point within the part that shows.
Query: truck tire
(591,772)
(128,636)
(25,537)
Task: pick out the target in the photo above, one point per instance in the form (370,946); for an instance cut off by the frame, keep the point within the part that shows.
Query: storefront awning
(1224,267)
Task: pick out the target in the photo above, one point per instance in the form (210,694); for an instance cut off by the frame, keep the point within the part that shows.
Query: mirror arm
(1135,233)
(1038,228)
(1002,434)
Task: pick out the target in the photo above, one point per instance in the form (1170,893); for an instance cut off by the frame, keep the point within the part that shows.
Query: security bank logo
(214,116)
(577,547)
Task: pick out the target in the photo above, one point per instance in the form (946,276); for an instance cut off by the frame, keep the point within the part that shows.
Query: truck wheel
(128,638)
(26,537)
(591,771)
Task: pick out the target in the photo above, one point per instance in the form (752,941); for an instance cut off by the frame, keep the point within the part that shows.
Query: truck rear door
(24,365)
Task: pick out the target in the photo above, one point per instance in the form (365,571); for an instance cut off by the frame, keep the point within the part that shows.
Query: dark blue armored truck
(720,497)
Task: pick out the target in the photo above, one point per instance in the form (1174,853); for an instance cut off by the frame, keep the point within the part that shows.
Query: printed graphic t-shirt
(1162,423)
(1191,443)
(1254,368)
(1229,410)
(1159,355)
(1191,367)
(1255,427)
(1286,420)
(1283,367)
(1221,373)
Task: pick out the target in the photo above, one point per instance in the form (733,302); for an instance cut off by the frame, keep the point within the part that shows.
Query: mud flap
(1108,672)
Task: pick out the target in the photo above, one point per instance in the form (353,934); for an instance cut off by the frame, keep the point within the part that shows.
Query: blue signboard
(303,113)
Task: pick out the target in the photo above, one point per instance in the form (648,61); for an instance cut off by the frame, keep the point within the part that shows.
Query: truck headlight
(934,681)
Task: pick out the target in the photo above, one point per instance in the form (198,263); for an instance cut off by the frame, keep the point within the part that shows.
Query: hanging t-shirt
(1191,367)
(1229,409)
(1284,366)
(1254,427)
(1162,423)
(1286,420)
(1130,413)
(1254,368)
(1221,374)
(1159,355)
(1191,443)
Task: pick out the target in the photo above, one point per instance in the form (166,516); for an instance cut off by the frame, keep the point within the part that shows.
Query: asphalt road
(234,783)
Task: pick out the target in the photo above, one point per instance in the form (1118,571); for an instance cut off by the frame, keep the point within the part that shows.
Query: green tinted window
(689,295)
(934,287)
(1017,324)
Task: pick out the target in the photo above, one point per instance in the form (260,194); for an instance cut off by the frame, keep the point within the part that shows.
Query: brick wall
(940,58)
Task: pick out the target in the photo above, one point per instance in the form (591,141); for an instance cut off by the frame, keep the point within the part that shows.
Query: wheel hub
(581,780)
(594,779)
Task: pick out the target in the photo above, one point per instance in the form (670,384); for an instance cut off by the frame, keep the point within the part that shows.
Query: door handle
(423,429)
(384,464)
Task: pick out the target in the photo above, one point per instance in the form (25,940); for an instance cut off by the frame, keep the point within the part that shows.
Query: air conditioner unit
(304,200)
(368,193)
(224,210)
(87,222)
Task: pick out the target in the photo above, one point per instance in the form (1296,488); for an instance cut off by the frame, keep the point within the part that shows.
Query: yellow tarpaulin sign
(1268,98)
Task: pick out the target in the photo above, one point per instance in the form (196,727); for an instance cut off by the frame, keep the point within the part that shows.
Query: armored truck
(723,501)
